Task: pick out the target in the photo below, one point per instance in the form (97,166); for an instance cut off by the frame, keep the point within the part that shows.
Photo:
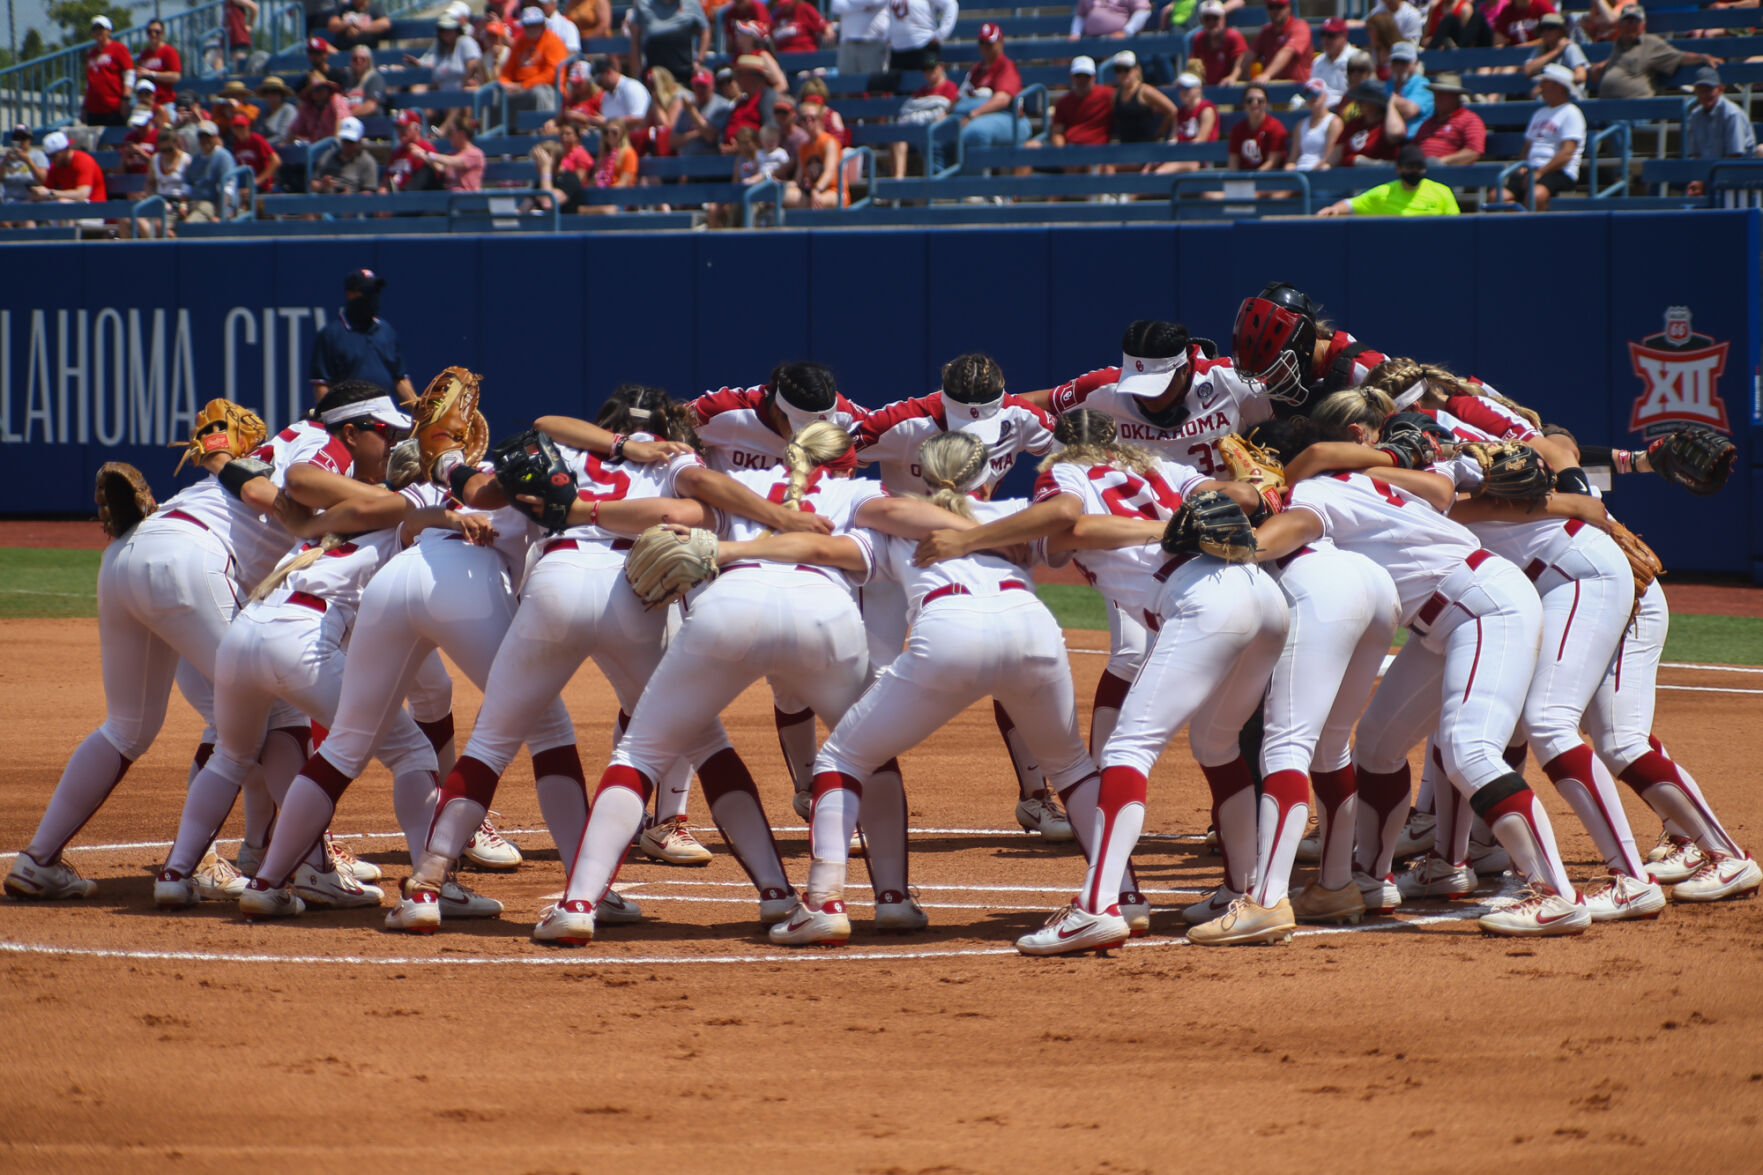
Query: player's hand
(938,546)
(786,521)
(477,529)
(649,452)
(216,461)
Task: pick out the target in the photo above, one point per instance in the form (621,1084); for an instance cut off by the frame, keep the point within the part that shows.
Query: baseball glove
(1696,458)
(124,498)
(446,419)
(1212,523)
(1252,465)
(664,565)
(1412,439)
(528,463)
(1644,564)
(222,426)
(1511,471)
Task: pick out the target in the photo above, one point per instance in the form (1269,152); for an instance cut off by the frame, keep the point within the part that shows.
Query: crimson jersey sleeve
(1073,393)
(712,404)
(1491,417)
(1047,486)
(874,427)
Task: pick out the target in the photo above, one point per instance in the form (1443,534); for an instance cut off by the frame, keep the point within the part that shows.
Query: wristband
(240,470)
(1573,480)
(618,440)
(457,477)
(594,514)
(1622,460)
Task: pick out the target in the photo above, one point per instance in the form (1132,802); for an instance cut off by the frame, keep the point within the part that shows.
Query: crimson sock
(1383,807)
(1587,787)
(1284,809)
(461,807)
(740,817)
(1028,772)
(1110,694)
(1337,805)
(1120,817)
(440,736)
(797,738)
(1233,815)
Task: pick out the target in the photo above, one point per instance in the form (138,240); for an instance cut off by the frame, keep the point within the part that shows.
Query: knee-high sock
(615,818)
(285,751)
(204,751)
(440,736)
(206,808)
(1522,828)
(1110,693)
(884,829)
(837,800)
(414,794)
(1283,810)
(1587,787)
(1028,772)
(1426,799)
(1337,806)
(1383,805)
(311,802)
(1451,833)
(563,797)
(1249,740)
(1671,792)
(740,817)
(1233,815)
(1120,817)
(799,741)
(91,774)
(460,810)
(1515,756)
(1080,808)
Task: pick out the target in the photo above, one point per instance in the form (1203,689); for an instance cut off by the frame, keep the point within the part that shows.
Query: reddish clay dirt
(690,1042)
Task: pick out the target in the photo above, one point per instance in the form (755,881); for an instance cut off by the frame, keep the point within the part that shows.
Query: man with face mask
(1409,194)
(358,344)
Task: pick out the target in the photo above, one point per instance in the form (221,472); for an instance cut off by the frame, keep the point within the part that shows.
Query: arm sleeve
(946,24)
(1136,21)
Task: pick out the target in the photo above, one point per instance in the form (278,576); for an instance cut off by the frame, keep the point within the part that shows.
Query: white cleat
(1210,906)
(487,850)
(1434,877)
(803,802)
(1379,893)
(775,905)
(617,910)
(1247,923)
(898,912)
(1488,860)
(1619,897)
(260,902)
(418,911)
(1075,929)
(807,927)
(458,902)
(174,891)
(1537,912)
(1418,835)
(1042,813)
(1136,909)
(1678,862)
(671,842)
(333,889)
(1721,876)
(567,924)
(344,860)
(47,883)
(215,878)
(250,858)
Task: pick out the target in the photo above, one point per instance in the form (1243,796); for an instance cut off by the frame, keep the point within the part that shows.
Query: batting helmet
(1274,338)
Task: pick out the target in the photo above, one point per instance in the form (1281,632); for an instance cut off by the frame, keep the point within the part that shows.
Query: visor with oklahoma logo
(1149,377)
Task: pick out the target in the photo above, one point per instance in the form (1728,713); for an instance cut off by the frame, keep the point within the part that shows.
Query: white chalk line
(39,592)
(1708,689)
(926,888)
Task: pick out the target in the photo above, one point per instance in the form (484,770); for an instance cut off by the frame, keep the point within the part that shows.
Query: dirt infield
(194,1042)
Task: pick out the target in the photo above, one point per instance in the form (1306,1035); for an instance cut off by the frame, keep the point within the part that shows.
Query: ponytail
(299,562)
(1090,437)
(821,443)
(953,464)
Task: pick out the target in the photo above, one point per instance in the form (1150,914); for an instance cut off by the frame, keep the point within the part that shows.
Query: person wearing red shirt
(1282,46)
(986,106)
(796,27)
(252,150)
(142,139)
(1196,121)
(928,104)
(74,176)
(403,172)
(745,11)
(110,76)
(757,99)
(1085,115)
(1372,135)
(1516,23)
(1454,135)
(159,63)
(1258,142)
(1221,50)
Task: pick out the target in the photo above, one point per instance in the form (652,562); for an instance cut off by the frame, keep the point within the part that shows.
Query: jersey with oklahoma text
(890,437)
(735,436)
(1124,576)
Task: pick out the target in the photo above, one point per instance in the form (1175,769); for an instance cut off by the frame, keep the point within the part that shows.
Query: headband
(845,462)
(363,408)
(1415,390)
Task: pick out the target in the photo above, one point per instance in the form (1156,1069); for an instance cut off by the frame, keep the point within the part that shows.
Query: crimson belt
(955,589)
(307,600)
(1288,560)
(799,567)
(182,517)
(573,545)
(1430,610)
(1533,570)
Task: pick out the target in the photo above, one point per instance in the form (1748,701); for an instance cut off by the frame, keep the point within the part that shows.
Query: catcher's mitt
(222,425)
(446,420)
(529,463)
(1252,465)
(1412,439)
(1641,560)
(1511,471)
(664,565)
(1214,524)
(124,498)
(1696,458)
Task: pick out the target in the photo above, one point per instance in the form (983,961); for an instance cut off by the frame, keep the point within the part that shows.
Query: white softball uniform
(1619,717)
(734,433)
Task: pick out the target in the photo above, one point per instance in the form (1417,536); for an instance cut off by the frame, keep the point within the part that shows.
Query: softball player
(1278,340)
(169,588)
(797,622)
(972,402)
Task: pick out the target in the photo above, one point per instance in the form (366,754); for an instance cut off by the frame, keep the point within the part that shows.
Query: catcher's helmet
(1274,338)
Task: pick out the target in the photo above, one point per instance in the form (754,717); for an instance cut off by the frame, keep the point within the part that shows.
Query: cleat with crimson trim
(1074,929)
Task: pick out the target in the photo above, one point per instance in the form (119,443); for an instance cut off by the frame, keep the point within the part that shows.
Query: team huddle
(1259,527)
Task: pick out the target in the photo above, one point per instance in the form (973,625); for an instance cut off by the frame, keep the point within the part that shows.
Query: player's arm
(909,518)
(1056,515)
(1437,490)
(822,550)
(731,497)
(1284,533)
(633,515)
(1104,532)
(1568,506)
(1332,456)
(478,530)
(321,489)
(580,434)
(353,516)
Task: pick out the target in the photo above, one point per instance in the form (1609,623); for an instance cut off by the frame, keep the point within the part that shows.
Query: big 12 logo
(1681,372)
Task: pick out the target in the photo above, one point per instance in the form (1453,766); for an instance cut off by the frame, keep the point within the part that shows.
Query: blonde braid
(1364,405)
(810,448)
(950,461)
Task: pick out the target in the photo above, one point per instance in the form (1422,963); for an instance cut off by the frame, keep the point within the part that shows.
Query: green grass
(45,583)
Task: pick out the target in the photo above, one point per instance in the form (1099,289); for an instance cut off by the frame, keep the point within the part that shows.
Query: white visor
(1149,377)
(799,418)
(960,414)
(379,408)
(1410,397)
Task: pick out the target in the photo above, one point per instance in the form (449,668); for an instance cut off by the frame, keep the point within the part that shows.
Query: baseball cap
(532,14)
(1552,20)
(241,120)
(1404,51)
(703,78)
(1312,88)
(1558,73)
(350,130)
(1211,8)
(1632,12)
(495,28)
(1279,3)
(101,22)
(409,118)
(1188,81)
(1084,65)
(319,45)
(447,23)
(1706,76)
(990,33)
(146,84)
(724,74)
(1333,25)
(1125,59)
(207,127)
(55,142)
(21,131)
(1369,91)
(140,118)
(581,71)
(361,281)
(1148,376)
(784,102)
(750,61)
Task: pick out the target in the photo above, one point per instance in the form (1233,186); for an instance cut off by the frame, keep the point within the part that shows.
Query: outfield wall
(106,351)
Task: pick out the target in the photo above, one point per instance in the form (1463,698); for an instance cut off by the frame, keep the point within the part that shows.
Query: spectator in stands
(582,97)
(318,57)
(673,34)
(593,18)
(1109,18)
(1388,25)
(1455,135)
(1715,128)
(320,112)
(1360,69)
(277,114)
(1639,59)
(497,47)
(531,68)
(143,132)
(1516,23)
(617,166)
(252,150)
(348,169)
(1456,24)
(1196,121)
(1142,114)
(358,343)
(454,61)
(237,21)
(666,98)
(209,176)
(702,117)
(1409,194)
(404,171)
(792,135)
(188,117)
(1554,141)
(755,107)
(986,107)
(1555,45)
(1320,130)
(358,22)
(1084,114)
(815,87)
(167,178)
(463,170)
(863,35)
(798,27)
(565,28)
(931,103)
(1330,66)
(1258,141)
(565,168)
(110,77)
(1222,51)
(159,63)
(1407,90)
(817,164)
(1282,47)
(25,167)
(917,31)
(1371,134)
(623,99)
(237,95)
(366,92)
(72,177)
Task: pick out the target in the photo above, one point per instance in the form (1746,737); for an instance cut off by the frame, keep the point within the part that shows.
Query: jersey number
(1138,497)
(1384,489)
(1203,461)
(618,483)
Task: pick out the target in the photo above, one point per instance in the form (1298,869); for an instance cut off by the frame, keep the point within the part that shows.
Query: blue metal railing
(1249,183)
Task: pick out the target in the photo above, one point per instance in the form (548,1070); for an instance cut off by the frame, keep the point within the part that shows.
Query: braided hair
(1366,406)
(953,462)
(306,558)
(1089,437)
(973,379)
(819,444)
(642,408)
(808,387)
(1152,339)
